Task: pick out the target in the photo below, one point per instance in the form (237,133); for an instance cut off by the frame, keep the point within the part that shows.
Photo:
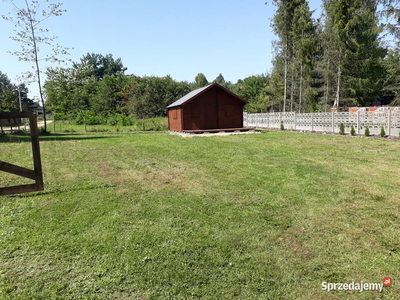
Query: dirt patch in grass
(159,179)
(151,176)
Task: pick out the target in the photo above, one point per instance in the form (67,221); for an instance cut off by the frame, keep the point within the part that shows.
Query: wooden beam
(14,115)
(17,170)
(18,189)
(35,174)
(36,151)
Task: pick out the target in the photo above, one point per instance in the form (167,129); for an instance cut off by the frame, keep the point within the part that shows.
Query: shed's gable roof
(195,93)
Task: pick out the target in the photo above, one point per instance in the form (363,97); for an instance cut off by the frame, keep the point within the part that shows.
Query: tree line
(98,86)
(13,97)
(348,57)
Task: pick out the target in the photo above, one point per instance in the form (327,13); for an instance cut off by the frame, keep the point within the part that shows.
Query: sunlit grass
(154,216)
(65,126)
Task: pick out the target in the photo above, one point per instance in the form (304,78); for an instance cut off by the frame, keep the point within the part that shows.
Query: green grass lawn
(155,216)
(65,126)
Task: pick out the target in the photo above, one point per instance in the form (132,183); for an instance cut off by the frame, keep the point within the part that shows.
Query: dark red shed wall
(213,109)
(201,112)
(230,111)
(175,119)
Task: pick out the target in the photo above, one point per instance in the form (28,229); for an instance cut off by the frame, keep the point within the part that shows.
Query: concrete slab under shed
(219,132)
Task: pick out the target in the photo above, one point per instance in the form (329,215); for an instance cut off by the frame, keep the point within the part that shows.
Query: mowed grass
(65,126)
(155,216)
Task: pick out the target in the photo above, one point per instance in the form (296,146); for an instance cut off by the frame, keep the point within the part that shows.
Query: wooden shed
(210,108)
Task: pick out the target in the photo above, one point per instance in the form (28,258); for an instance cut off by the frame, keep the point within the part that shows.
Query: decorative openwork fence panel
(329,122)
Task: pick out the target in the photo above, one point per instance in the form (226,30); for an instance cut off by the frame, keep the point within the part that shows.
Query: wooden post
(389,122)
(358,122)
(35,174)
(295,120)
(36,152)
(333,122)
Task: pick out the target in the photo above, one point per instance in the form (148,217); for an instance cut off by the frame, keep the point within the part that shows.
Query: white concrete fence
(329,122)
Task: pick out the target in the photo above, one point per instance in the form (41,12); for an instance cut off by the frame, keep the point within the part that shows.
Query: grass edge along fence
(328,122)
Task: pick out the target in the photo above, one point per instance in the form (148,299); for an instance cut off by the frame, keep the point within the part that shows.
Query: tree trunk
(32,27)
(339,75)
(301,88)
(285,80)
(292,88)
(336,104)
(327,87)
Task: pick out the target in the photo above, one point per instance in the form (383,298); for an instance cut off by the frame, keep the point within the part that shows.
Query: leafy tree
(99,66)
(109,95)
(220,80)
(95,83)
(30,35)
(69,90)
(200,80)
(4,80)
(147,97)
(11,95)
(8,99)
(250,89)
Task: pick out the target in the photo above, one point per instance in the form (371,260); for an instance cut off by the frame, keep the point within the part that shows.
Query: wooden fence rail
(36,173)
(328,122)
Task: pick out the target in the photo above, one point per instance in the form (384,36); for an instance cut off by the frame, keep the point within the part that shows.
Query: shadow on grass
(60,191)
(20,138)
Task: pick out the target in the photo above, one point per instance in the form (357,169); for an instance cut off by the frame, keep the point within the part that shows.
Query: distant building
(38,110)
(210,108)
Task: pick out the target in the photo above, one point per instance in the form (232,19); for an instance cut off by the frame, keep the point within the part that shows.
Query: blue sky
(153,37)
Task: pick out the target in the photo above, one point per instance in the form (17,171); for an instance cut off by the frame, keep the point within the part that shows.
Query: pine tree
(352,31)
(296,32)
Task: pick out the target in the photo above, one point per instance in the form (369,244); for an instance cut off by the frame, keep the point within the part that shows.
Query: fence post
(295,120)
(333,122)
(312,122)
(358,122)
(389,121)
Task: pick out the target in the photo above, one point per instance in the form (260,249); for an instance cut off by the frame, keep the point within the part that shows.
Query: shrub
(282,127)
(352,131)
(124,120)
(41,130)
(20,132)
(91,118)
(366,132)
(383,133)
(341,129)
(61,116)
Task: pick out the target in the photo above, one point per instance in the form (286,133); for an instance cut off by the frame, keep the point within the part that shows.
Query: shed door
(211,115)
